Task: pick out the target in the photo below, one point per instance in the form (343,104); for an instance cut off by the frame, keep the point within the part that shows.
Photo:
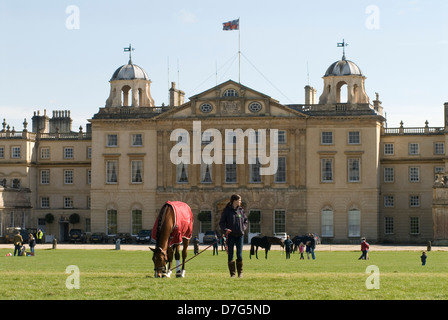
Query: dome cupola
(130,86)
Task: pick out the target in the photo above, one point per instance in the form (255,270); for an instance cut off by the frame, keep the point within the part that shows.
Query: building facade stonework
(340,172)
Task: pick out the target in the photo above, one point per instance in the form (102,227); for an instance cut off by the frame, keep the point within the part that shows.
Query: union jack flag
(231,25)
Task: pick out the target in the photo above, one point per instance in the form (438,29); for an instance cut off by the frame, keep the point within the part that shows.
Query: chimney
(176,96)
(377,104)
(40,123)
(310,95)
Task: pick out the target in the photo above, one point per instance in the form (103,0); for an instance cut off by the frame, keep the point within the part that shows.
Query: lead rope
(183,263)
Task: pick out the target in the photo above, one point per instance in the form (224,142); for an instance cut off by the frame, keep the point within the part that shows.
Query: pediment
(230,99)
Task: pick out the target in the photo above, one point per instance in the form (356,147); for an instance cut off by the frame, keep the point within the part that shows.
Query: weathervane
(129,49)
(343,45)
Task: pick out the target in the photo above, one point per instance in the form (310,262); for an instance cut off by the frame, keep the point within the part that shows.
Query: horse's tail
(160,219)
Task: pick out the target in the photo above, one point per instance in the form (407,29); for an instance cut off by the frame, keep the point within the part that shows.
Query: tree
(74,218)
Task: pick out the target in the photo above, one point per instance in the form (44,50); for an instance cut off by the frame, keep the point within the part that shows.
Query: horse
(304,239)
(265,243)
(174,225)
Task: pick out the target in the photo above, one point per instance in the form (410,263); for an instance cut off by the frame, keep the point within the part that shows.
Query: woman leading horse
(234,223)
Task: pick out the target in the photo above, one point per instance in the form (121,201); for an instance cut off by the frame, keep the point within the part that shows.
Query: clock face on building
(206,107)
(255,107)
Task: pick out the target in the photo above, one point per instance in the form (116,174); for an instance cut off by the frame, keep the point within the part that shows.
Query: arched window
(342,92)
(354,223)
(327,222)
(136,220)
(126,90)
(140,97)
(111,221)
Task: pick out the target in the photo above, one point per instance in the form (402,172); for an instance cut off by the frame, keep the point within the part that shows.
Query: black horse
(265,243)
(304,239)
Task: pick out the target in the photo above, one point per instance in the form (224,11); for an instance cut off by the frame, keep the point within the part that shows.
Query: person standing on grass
(234,223)
(215,245)
(18,240)
(308,249)
(301,247)
(32,243)
(423,258)
(364,249)
(288,246)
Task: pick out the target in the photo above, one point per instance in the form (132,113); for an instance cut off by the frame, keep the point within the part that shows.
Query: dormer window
(230,93)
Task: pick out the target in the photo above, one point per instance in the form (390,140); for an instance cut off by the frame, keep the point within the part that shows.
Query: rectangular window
(206,173)
(68,153)
(68,176)
(280,175)
(414,174)
(68,202)
(112,140)
(15,153)
(45,202)
(2,152)
(112,171)
(44,176)
(89,152)
(136,171)
(439,148)
(326,137)
(89,176)
(137,140)
(354,137)
(388,148)
(389,201)
(281,138)
(231,171)
(326,170)
(182,173)
(354,223)
(45,153)
(389,174)
(279,221)
(415,225)
(354,170)
(206,225)
(414,201)
(255,227)
(388,225)
(254,171)
(414,148)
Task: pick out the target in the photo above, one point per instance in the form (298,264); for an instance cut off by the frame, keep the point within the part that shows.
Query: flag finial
(343,44)
(129,49)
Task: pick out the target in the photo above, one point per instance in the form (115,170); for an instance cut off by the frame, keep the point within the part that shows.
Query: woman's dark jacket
(235,220)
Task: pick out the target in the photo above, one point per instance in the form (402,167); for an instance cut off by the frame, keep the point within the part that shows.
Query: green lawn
(128,275)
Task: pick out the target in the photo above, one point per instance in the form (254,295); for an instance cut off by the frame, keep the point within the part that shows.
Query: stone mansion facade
(340,173)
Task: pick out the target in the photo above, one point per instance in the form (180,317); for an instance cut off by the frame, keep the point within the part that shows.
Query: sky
(60,55)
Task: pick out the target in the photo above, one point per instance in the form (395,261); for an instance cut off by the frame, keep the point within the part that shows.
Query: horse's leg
(169,253)
(185,243)
(256,252)
(266,253)
(177,258)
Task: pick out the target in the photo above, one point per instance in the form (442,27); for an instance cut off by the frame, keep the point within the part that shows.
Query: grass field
(128,275)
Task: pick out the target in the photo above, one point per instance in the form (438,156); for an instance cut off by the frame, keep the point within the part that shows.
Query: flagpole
(239,51)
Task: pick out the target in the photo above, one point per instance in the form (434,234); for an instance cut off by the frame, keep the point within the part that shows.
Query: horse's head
(159,258)
(282,243)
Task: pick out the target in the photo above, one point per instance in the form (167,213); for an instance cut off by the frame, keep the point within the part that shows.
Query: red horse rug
(183,223)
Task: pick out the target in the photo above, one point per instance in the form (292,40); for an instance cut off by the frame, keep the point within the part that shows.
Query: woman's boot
(239,268)
(232,268)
